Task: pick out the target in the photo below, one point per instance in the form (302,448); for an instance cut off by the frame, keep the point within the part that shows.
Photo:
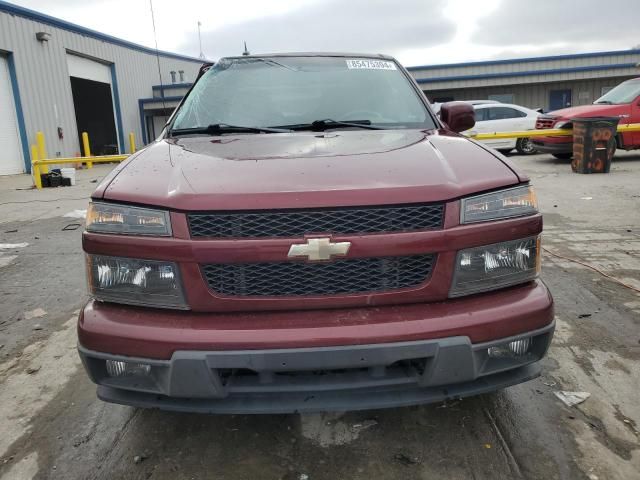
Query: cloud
(582,26)
(367,26)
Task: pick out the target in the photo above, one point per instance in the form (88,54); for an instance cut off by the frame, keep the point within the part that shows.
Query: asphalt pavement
(53,427)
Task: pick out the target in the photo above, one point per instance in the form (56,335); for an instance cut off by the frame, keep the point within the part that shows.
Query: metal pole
(132,143)
(35,168)
(42,150)
(87,149)
(200,40)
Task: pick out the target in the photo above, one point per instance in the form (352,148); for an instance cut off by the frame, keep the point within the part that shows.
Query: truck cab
(623,101)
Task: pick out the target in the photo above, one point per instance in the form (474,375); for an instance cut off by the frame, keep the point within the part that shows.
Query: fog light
(516,348)
(116,368)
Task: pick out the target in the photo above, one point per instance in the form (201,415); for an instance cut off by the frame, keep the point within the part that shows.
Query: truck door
(634,118)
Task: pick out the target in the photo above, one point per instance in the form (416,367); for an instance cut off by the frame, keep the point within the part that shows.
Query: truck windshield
(626,92)
(299,91)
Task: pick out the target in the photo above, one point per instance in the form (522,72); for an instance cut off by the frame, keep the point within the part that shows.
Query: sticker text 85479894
(370,64)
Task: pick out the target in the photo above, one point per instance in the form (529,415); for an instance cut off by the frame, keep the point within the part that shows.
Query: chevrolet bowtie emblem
(319,249)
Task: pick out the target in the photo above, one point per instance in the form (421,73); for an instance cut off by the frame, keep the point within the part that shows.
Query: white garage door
(81,67)
(11,159)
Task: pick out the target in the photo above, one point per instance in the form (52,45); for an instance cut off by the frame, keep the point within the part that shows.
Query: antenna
(200,40)
(246,52)
(155,39)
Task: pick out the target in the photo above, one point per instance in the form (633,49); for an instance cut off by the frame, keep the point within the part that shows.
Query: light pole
(200,40)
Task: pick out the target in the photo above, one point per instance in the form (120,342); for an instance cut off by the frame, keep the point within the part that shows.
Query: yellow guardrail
(552,132)
(40,163)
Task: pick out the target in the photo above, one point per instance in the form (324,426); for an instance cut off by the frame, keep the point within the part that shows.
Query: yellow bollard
(87,150)
(132,143)
(35,168)
(42,150)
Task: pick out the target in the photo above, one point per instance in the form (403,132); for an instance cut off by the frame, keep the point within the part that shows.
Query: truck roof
(314,54)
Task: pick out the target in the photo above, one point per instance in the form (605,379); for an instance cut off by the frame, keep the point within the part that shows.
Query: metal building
(63,79)
(550,83)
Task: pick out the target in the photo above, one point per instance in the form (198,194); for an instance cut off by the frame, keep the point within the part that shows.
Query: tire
(563,156)
(524,146)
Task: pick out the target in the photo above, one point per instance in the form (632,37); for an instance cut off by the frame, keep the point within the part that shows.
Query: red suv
(622,101)
(307,235)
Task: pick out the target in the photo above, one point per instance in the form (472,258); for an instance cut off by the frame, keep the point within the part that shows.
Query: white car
(505,117)
(436,106)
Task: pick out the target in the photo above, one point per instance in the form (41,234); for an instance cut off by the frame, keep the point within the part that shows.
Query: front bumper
(544,145)
(158,334)
(316,360)
(319,379)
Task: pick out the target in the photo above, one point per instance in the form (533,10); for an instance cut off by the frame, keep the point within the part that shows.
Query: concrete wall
(43,78)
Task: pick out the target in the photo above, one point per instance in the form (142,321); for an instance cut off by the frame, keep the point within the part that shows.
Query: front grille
(543,123)
(311,279)
(296,223)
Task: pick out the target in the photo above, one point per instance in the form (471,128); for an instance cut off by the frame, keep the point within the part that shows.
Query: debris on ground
(571,399)
(71,226)
(32,370)
(584,315)
(448,403)
(304,476)
(358,427)
(37,326)
(406,460)
(140,458)
(36,313)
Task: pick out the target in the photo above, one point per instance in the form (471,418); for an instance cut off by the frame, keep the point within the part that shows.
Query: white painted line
(6,260)
(37,313)
(76,214)
(13,245)
(23,395)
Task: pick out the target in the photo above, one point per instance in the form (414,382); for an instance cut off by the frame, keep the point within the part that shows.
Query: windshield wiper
(327,123)
(224,128)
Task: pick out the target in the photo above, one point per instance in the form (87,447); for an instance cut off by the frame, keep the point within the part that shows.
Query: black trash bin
(594,143)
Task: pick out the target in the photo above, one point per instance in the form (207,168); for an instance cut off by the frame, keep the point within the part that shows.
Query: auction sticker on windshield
(370,64)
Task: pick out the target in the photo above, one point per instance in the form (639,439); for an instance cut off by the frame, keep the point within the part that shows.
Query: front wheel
(562,156)
(524,146)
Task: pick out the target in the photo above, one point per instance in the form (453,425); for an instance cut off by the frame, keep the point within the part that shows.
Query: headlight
(495,266)
(513,202)
(136,282)
(113,218)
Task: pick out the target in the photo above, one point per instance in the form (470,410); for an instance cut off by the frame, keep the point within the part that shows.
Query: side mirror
(459,116)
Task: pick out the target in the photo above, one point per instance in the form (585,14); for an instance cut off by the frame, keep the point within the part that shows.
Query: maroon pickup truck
(307,235)
(622,101)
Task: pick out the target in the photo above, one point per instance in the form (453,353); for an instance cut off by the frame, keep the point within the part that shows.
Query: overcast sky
(417,32)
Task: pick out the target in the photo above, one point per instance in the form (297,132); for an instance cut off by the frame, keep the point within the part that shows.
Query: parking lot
(54,427)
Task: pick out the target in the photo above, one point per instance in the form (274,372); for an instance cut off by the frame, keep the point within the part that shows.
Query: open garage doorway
(93,104)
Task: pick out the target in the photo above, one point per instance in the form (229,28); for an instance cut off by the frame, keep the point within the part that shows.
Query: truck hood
(307,169)
(590,111)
